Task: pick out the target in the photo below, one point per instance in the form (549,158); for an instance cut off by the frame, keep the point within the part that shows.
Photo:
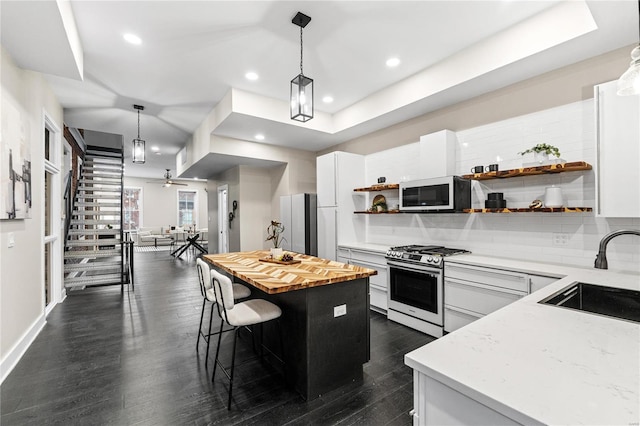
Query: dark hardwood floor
(105,358)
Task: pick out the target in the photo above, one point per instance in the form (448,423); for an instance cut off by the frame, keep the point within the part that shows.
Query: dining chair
(237,315)
(206,290)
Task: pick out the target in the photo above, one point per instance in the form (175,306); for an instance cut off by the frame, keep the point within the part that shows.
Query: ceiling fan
(168,182)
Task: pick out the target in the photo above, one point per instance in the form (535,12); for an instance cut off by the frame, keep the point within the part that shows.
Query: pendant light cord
(301,45)
(139,120)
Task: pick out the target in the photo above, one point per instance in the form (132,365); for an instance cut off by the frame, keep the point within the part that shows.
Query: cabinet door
(327,229)
(326,180)
(618,152)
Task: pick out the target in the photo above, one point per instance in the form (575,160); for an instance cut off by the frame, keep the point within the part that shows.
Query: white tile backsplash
(519,235)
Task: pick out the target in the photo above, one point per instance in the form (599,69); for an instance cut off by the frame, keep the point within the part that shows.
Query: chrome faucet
(601,258)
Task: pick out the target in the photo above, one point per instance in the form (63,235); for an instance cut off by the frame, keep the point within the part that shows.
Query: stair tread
(78,267)
(91,232)
(89,254)
(92,280)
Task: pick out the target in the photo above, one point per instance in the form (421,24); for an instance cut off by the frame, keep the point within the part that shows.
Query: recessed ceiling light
(259,136)
(251,76)
(155,148)
(327,99)
(132,38)
(393,62)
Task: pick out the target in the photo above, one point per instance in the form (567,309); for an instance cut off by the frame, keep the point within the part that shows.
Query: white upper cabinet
(326,180)
(617,152)
(438,154)
(337,174)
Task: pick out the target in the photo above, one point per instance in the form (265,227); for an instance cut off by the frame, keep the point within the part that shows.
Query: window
(132,208)
(187,208)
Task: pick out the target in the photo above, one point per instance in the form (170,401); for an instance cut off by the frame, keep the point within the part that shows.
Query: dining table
(189,241)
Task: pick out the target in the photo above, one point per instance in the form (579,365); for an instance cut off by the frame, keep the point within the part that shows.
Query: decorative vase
(541,157)
(276,252)
(553,197)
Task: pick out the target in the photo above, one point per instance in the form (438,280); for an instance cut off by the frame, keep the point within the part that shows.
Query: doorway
(52,241)
(223,219)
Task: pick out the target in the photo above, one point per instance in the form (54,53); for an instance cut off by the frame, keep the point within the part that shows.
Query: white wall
(160,205)
(254,207)
(519,235)
(22,266)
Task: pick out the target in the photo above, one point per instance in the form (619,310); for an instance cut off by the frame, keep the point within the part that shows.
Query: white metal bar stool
(250,312)
(206,290)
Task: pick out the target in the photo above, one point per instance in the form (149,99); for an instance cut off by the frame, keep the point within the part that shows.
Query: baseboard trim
(18,350)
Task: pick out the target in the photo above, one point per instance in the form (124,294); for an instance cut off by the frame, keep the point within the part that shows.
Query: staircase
(95,253)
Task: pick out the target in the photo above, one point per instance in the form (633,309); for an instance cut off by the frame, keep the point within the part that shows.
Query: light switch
(339,311)
(12,240)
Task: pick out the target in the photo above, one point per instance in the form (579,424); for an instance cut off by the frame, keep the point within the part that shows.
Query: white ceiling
(194,52)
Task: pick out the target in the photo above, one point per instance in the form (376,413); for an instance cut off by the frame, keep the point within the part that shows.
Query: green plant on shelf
(543,147)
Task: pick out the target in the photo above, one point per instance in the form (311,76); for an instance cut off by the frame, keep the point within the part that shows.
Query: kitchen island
(325,315)
(533,363)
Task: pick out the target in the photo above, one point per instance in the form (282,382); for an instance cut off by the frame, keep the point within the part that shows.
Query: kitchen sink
(609,301)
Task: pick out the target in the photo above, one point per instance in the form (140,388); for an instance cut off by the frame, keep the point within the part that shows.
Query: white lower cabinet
(536,282)
(377,283)
(471,292)
(438,404)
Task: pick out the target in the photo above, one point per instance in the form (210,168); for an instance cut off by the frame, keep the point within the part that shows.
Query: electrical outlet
(11,240)
(560,239)
(339,311)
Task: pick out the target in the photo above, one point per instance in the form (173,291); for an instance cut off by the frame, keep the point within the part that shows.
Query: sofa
(151,236)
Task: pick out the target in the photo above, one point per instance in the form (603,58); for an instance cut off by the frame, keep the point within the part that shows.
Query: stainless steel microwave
(443,194)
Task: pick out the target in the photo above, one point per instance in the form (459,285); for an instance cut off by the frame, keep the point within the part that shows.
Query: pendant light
(629,82)
(301,86)
(138,144)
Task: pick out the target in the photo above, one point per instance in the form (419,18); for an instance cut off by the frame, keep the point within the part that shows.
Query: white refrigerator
(337,174)
(298,215)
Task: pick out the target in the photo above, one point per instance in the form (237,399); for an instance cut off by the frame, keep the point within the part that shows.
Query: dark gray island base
(321,351)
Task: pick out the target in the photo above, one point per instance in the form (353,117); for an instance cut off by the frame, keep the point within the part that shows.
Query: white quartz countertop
(378,248)
(538,363)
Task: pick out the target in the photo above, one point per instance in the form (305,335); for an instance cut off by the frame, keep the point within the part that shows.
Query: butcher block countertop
(274,278)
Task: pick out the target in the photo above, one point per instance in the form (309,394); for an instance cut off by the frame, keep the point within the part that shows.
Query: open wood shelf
(531,171)
(381,187)
(385,212)
(528,210)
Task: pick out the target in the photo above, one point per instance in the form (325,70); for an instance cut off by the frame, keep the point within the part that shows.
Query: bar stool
(237,315)
(206,290)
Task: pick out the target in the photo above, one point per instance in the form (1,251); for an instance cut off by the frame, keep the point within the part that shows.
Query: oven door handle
(412,267)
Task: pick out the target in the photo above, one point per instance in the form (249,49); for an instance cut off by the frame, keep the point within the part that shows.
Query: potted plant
(274,234)
(542,151)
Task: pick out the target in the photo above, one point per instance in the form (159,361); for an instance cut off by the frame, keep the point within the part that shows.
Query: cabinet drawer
(493,277)
(455,318)
(379,280)
(540,281)
(344,252)
(369,257)
(378,298)
(477,298)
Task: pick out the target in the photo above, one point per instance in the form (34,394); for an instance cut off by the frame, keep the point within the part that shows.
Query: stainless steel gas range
(415,288)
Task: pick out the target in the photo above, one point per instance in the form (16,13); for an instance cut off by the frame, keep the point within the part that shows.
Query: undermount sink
(609,301)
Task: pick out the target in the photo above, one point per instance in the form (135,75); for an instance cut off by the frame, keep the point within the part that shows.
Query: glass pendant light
(138,144)
(629,82)
(301,86)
